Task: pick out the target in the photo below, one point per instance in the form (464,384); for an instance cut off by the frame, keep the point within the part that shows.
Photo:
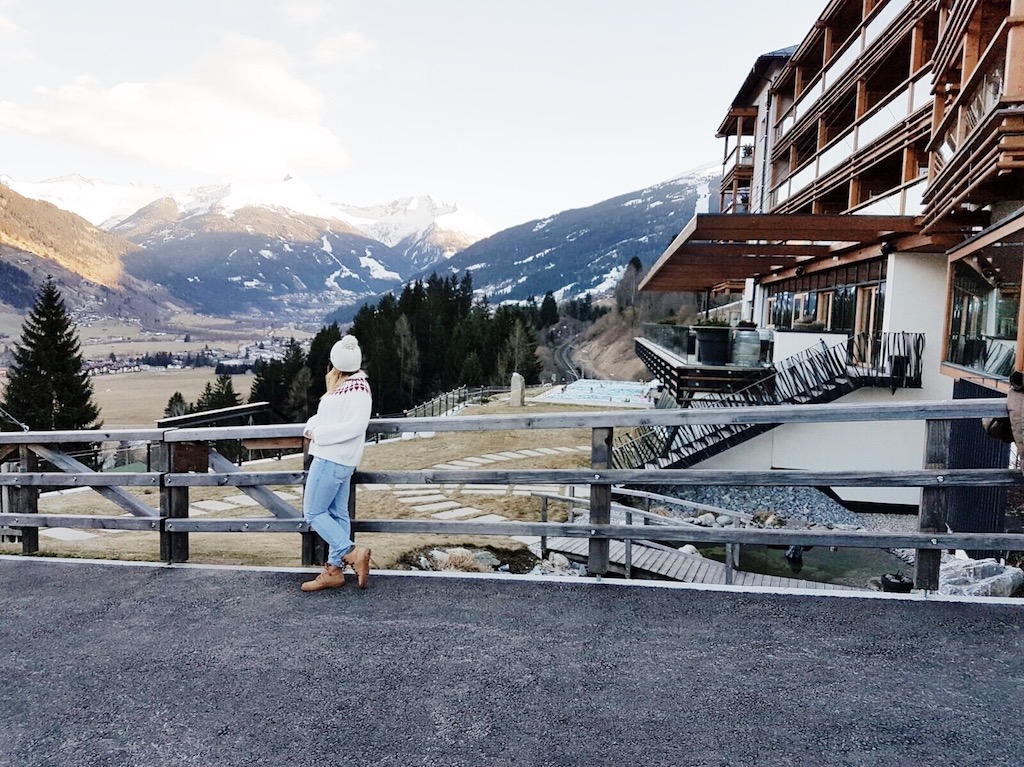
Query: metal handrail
(819,373)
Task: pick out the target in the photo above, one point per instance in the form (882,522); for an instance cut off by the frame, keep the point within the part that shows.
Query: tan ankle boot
(359,560)
(331,578)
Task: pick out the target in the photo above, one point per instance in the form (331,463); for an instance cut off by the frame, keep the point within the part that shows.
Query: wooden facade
(908,114)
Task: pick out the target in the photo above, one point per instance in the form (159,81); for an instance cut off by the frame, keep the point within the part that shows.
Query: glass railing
(886,115)
(913,197)
(833,72)
(885,205)
(921,88)
(902,201)
(838,152)
(840,64)
(803,178)
(986,95)
(885,17)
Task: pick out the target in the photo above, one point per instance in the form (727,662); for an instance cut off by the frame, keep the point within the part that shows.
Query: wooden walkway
(678,566)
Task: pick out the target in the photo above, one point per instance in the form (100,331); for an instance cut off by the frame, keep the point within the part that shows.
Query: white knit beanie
(346,355)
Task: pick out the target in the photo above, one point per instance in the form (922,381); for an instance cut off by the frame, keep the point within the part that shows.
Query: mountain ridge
(231,251)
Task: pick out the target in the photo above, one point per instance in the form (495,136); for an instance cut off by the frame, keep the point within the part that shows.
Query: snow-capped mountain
(281,251)
(425,230)
(101,203)
(586,250)
(236,248)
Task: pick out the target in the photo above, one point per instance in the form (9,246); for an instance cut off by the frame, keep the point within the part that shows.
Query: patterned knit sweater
(338,430)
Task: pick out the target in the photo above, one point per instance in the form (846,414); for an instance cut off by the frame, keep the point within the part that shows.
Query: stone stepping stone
(511,454)
(463,464)
(546,488)
(448,466)
(532,453)
(491,518)
(66,533)
(211,505)
(485,489)
(480,461)
(375,487)
(566,449)
(285,495)
(548,450)
(465,511)
(496,457)
(242,500)
(417,499)
(438,506)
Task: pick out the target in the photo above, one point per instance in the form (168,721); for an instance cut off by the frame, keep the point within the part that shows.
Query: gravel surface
(139,666)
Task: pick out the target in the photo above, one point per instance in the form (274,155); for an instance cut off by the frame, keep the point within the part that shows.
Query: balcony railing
(839,65)
(816,375)
(904,102)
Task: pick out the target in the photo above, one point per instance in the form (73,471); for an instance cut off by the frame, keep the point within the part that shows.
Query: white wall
(789,343)
(915,303)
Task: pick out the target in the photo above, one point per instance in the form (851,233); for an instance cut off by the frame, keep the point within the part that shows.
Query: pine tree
(48,388)
(548,311)
(298,406)
(176,405)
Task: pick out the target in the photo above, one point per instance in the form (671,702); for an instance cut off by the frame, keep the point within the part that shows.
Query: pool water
(595,391)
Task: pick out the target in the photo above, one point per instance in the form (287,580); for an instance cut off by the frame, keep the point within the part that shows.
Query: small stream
(845,567)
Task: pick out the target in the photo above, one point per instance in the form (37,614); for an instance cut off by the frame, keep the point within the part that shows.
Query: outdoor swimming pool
(591,391)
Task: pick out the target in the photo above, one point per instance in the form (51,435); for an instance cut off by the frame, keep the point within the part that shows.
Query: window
(984,305)
(824,309)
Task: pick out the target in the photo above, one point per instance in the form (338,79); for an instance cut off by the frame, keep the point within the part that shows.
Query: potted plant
(713,334)
(897,582)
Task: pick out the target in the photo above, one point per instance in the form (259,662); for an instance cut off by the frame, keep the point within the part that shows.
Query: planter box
(713,344)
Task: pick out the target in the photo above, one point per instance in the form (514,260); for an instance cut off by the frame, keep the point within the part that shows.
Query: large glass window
(984,307)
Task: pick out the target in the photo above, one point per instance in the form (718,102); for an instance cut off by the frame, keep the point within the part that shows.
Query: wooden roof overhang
(716,247)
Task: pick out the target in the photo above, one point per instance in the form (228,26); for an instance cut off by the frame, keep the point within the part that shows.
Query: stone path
(444,501)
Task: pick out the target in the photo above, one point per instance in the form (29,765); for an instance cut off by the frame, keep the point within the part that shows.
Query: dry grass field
(138,399)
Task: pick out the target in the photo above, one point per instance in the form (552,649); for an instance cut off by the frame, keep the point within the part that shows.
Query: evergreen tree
(625,291)
(274,378)
(548,311)
(176,405)
(48,388)
(298,406)
(519,355)
(408,357)
(319,358)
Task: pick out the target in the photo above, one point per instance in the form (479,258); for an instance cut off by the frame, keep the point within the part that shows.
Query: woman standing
(338,434)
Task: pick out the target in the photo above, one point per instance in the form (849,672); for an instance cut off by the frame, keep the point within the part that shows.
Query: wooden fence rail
(182,458)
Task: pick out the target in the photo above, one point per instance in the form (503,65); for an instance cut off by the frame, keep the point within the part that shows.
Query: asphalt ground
(151,665)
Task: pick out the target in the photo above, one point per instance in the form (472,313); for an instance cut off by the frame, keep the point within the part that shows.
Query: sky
(513,111)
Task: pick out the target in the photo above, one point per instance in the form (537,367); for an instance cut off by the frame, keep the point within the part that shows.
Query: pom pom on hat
(346,355)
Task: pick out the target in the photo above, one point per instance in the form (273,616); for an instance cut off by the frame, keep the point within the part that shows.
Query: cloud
(238,112)
(329,40)
(14,41)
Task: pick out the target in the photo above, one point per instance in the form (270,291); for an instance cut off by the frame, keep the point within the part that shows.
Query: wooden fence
(181,459)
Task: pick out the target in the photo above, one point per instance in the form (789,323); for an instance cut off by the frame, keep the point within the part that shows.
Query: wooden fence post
(600,499)
(175,458)
(26,500)
(934,500)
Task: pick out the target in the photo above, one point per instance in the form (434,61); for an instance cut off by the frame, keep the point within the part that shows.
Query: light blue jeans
(325,506)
